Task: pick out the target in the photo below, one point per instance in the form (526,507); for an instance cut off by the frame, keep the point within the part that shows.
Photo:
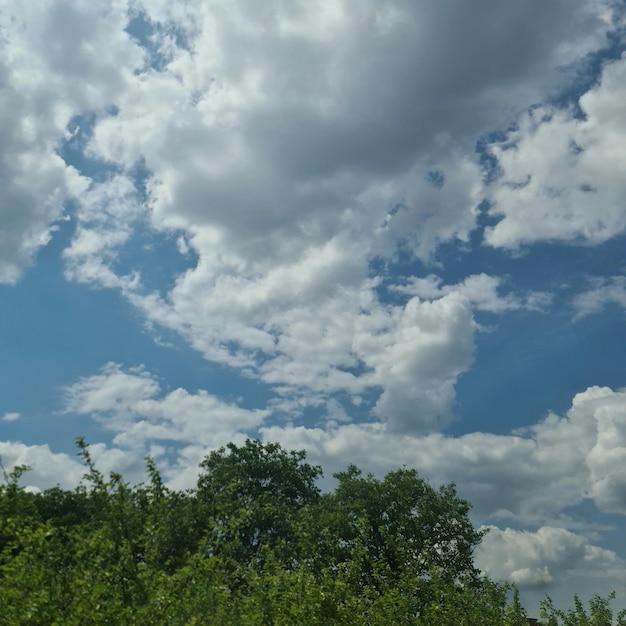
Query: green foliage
(599,614)
(251,496)
(396,529)
(254,543)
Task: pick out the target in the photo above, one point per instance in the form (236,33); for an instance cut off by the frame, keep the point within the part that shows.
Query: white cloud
(601,292)
(562,461)
(499,474)
(47,468)
(480,289)
(59,60)
(539,558)
(562,177)
(417,358)
(607,459)
(131,404)
(10,417)
(113,390)
(107,213)
(266,136)
(309,332)
(287,162)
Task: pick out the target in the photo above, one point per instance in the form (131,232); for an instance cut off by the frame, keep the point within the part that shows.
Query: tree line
(255,542)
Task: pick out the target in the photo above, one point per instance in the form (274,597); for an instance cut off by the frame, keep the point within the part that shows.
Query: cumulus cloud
(417,360)
(537,559)
(606,458)
(311,337)
(47,468)
(287,163)
(10,417)
(108,212)
(111,391)
(601,293)
(59,60)
(481,290)
(562,173)
(131,404)
(266,159)
(559,462)
(286,183)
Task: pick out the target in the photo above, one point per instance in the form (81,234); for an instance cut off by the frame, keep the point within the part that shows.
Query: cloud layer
(289,148)
(559,462)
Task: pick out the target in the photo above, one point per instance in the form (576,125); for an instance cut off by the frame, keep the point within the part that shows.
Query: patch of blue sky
(436,178)
(149,35)
(488,162)
(528,364)
(358,369)
(586,72)
(156,256)
(73,150)
(553,354)
(559,268)
(51,334)
(140,175)
(54,331)
(393,271)
(613,527)
(360,407)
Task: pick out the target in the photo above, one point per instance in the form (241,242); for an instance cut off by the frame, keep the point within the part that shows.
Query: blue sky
(385,232)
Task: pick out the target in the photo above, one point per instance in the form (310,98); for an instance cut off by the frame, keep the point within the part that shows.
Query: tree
(251,496)
(254,543)
(396,529)
(600,613)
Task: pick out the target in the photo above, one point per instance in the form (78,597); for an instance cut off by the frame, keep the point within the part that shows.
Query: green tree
(600,613)
(396,529)
(251,496)
(255,543)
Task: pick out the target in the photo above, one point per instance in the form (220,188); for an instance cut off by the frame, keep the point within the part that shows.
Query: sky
(386,232)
